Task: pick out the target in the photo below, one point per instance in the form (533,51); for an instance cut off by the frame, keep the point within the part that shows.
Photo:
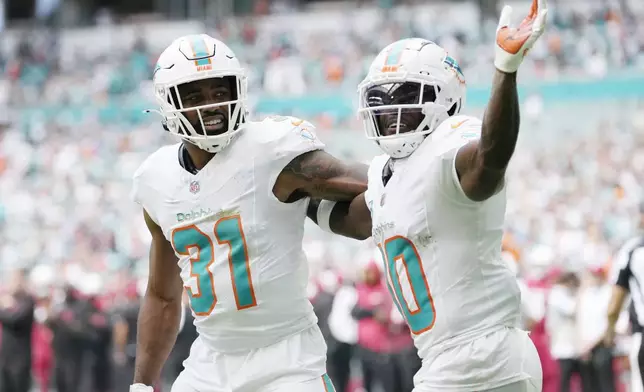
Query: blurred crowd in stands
(72,133)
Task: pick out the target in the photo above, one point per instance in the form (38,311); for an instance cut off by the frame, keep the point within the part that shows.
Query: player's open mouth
(214,123)
(391,129)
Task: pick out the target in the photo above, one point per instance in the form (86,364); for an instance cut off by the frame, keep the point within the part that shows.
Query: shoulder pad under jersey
(454,133)
(275,128)
(374,178)
(148,175)
(284,137)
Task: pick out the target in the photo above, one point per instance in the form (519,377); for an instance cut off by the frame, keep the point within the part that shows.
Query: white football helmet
(188,59)
(410,76)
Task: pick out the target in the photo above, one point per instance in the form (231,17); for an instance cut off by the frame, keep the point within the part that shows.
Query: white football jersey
(239,248)
(442,251)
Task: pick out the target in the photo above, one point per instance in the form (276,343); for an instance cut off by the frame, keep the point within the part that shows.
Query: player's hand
(513,43)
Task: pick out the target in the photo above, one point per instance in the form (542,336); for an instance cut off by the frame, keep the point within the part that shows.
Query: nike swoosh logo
(458,124)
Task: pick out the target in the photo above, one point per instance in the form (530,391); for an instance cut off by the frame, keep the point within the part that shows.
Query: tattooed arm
(319,175)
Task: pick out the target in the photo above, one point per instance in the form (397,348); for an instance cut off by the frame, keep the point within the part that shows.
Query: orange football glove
(512,44)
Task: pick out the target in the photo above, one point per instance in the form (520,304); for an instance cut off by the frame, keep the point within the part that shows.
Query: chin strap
(185,161)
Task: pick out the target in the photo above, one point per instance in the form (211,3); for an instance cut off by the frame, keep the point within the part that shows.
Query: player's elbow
(354,235)
(159,311)
(163,295)
(362,236)
(363,231)
(165,288)
(357,230)
(352,219)
(482,183)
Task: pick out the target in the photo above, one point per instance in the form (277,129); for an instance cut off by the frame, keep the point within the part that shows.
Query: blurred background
(75,76)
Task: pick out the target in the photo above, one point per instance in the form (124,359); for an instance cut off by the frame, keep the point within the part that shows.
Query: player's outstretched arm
(158,323)
(481,165)
(319,174)
(337,188)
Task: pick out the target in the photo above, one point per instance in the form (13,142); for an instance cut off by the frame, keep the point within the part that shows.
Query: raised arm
(158,323)
(481,165)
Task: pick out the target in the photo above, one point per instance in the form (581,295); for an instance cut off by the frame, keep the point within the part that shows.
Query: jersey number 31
(408,284)
(227,231)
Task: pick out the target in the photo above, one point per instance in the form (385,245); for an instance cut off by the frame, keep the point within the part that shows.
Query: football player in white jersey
(437,201)
(226,209)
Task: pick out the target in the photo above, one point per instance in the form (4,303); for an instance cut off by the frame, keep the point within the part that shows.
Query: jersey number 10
(227,231)
(418,307)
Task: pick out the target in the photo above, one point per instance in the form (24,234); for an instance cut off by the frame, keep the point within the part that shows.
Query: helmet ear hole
(430,92)
(454,109)
(173,98)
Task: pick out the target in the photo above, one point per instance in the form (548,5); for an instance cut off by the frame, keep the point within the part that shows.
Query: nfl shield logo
(194,187)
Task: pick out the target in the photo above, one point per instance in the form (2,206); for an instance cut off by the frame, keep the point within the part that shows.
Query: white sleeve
(289,138)
(450,183)
(135,192)
(374,175)
(141,193)
(467,129)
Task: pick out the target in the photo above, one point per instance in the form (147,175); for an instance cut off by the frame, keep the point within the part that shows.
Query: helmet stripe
(200,51)
(393,57)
